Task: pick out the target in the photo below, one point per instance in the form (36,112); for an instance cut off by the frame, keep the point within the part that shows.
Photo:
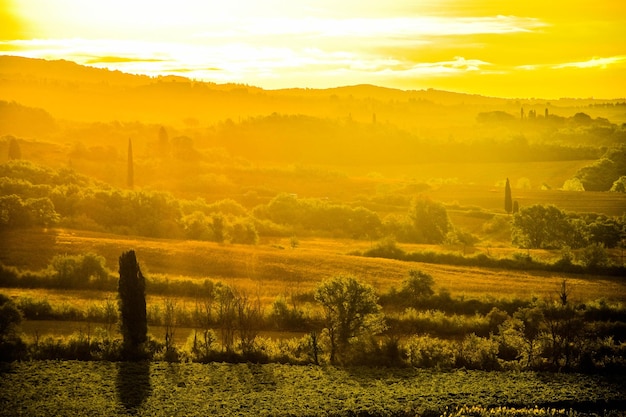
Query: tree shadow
(133,384)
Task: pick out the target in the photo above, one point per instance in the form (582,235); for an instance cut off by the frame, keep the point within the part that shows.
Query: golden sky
(505,48)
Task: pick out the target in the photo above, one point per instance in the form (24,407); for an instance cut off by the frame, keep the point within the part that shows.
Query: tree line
(555,334)
(32,195)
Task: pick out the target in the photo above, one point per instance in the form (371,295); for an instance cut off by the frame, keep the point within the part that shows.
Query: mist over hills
(75,92)
(360,125)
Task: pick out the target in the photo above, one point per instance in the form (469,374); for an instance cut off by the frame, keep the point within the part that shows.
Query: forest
(146,221)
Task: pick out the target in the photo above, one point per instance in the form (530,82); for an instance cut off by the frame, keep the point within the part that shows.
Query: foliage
(594,256)
(430,220)
(80,271)
(508,200)
(619,186)
(386,248)
(11,345)
(350,311)
(132,305)
(540,226)
(320,215)
(417,287)
(602,174)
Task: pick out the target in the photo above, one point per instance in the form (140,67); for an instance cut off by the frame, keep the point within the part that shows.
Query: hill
(74,92)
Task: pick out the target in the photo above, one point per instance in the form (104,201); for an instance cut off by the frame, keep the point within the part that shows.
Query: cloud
(593,63)
(118,60)
(387,29)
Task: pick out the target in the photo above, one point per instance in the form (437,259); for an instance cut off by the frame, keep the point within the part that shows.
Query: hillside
(74,92)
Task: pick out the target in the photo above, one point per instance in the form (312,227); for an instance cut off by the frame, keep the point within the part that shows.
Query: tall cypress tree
(132,305)
(130,179)
(508,200)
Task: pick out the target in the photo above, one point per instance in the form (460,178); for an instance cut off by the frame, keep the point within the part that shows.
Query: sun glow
(478,47)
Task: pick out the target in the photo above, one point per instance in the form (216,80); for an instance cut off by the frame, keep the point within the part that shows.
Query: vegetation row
(346,326)
(32,195)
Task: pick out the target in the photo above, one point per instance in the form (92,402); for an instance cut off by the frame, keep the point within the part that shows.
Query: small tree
(508,199)
(351,309)
(430,221)
(15,152)
(132,305)
(417,287)
(541,226)
(130,173)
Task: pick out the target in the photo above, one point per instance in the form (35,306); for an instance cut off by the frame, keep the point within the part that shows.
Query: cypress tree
(132,305)
(130,179)
(508,200)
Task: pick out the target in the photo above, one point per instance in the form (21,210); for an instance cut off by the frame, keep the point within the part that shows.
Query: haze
(504,49)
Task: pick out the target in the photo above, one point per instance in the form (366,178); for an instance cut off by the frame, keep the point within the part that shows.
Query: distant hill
(75,92)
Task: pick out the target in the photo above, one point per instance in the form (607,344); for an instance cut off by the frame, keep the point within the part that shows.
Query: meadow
(274,268)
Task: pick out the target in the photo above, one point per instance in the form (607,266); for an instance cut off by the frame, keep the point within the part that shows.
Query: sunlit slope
(274,268)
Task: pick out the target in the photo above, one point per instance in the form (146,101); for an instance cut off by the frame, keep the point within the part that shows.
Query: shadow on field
(133,384)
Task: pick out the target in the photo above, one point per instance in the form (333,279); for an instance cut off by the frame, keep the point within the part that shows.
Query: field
(305,182)
(273,268)
(163,389)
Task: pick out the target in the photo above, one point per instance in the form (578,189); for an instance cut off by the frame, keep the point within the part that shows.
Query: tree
(595,256)
(130,174)
(619,186)
(430,220)
(132,305)
(418,286)
(11,345)
(351,309)
(541,226)
(508,200)
(164,143)
(15,152)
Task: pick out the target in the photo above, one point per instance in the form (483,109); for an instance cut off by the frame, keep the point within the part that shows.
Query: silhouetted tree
(508,200)
(417,287)
(132,305)
(130,178)
(350,310)
(15,152)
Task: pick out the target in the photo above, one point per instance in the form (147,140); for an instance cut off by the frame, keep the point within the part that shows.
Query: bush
(35,309)
(595,256)
(81,271)
(477,353)
(11,345)
(386,248)
(430,352)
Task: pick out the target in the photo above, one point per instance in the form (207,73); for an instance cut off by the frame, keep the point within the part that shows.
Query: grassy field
(273,268)
(71,388)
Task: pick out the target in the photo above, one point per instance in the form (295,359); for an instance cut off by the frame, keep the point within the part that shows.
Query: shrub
(386,248)
(430,352)
(476,352)
(595,256)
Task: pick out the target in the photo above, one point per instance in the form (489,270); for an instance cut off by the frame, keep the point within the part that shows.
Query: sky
(502,48)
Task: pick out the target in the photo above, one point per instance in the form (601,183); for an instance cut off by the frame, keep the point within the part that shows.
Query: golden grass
(273,268)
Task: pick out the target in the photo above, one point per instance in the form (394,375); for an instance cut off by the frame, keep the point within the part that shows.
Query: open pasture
(273,268)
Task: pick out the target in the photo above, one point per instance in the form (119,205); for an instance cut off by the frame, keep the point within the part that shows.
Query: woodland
(351,235)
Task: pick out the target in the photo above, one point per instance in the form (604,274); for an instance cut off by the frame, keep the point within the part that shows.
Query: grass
(53,388)
(266,270)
